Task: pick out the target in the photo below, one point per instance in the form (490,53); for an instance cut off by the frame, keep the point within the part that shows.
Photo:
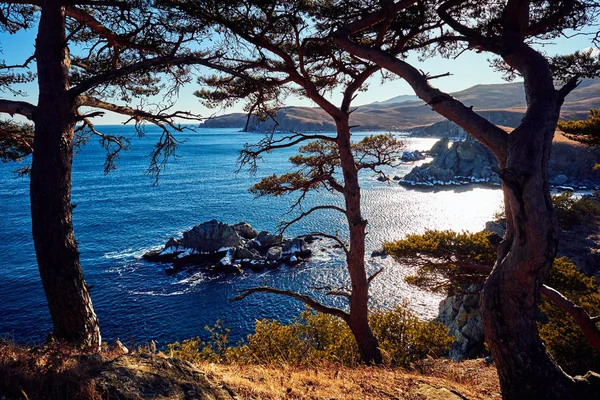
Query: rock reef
(217,247)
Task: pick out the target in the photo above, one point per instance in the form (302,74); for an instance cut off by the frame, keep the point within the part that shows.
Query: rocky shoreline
(464,162)
(217,247)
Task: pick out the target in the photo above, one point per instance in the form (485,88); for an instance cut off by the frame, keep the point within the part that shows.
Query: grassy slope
(58,373)
(472,379)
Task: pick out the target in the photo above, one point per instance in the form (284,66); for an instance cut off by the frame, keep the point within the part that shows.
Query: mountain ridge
(406,114)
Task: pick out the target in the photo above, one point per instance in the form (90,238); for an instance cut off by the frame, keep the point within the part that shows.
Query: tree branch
(480,128)
(572,83)
(582,318)
(114,39)
(145,65)
(13,107)
(326,236)
(585,322)
(370,278)
(286,224)
(305,299)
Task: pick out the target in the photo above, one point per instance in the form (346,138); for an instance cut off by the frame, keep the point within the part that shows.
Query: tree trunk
(511,293)
(358,320)
(51,210)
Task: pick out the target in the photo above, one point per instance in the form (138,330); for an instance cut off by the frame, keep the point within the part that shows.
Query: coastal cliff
(467,161)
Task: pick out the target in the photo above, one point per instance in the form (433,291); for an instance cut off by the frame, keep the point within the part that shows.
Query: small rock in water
(221,248)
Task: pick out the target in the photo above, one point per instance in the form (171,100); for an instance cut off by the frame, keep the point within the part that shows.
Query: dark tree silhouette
(90,57)
(512,291)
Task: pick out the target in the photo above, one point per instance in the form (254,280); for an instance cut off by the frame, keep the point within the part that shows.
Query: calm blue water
(121,215)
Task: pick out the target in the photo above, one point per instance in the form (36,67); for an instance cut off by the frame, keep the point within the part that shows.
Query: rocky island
(217,247)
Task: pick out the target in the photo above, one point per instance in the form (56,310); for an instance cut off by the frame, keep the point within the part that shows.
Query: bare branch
(13,107)
(284,225)
(444,104)
(564,91)
(303,298)
(111,143)
(251,153)
(370,278)
(582,318)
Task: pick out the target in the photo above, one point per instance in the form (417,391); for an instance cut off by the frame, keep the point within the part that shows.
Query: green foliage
(571,211)
(195,349)
(443,258)
(439,254)
(16,141)
(584,131)
(314,338)
(560,333)
(318,164)
(404,338)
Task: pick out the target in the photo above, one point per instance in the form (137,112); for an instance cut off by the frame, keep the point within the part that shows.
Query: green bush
(314,338)
(563,338)
(437,254)
(404,338)
(571,211)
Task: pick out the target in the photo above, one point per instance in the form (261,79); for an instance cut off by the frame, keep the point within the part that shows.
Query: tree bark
(358,320)
(511,294)
(50,191)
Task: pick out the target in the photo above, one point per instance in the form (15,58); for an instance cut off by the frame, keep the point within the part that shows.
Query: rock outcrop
(468,161)
(217,247)
(461,315)
(153,376)
(455,163)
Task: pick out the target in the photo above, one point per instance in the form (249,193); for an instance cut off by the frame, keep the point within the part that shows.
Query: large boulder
(211,236)
(245,230)
(265,239)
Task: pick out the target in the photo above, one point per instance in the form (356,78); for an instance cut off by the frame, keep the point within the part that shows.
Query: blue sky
(468,70)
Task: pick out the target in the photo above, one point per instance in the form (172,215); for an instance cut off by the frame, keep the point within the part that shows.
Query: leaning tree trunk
(358,320)
(511,293)
(51,210)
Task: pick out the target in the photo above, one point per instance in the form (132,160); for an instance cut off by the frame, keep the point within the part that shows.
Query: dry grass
(55,372)
(48,372)
(472,379)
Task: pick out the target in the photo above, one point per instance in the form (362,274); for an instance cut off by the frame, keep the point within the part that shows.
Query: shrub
(404,338)
(571,211)
(314,338)
(563,338)
(195,349)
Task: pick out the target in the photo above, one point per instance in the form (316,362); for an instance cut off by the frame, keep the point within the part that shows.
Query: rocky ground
(53,373)
(217,247)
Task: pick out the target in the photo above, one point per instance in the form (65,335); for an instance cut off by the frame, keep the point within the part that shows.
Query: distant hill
(398,99)
(505,102)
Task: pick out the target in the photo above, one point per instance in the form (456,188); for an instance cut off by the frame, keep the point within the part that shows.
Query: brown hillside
(507,98)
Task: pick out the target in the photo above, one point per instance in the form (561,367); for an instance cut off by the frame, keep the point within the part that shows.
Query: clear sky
(468,70)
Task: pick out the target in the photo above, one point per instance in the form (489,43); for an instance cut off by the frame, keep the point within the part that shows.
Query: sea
(121,215)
